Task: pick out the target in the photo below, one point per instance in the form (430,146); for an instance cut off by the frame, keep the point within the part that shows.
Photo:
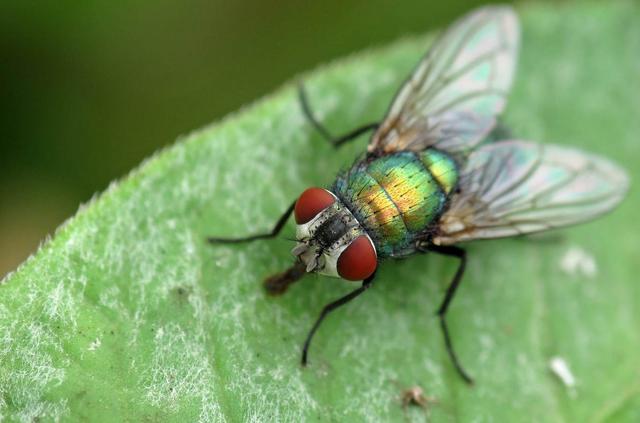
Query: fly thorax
(324,238)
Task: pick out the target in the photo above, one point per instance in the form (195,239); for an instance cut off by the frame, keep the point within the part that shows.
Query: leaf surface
(128,315)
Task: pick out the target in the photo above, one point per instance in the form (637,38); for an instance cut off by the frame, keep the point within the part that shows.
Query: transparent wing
(517,187)
(452,98)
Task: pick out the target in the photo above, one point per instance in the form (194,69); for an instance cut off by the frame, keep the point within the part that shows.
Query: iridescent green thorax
(395,197)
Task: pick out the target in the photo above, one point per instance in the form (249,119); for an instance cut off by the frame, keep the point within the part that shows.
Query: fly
(433,176)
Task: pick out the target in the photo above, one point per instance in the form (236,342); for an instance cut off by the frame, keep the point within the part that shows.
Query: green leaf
(128,315)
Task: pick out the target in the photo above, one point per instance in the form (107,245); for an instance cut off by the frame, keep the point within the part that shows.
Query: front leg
(274,232)
(276,284)
(366,284)
(460,254)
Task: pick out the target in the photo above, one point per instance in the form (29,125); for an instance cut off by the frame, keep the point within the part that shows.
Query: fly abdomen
(397,196)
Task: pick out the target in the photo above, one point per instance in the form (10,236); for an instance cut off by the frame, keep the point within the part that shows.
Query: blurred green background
(91,88)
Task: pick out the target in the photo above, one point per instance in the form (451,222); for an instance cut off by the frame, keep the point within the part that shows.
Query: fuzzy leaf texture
(128,315)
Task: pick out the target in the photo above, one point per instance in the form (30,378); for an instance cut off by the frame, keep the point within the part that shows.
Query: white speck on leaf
(560,368)
(95,345)
(578,262)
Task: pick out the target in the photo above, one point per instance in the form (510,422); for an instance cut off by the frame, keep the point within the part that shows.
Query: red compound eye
(311,202)
(358,261)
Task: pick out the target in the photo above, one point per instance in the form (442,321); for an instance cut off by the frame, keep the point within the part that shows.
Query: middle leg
(335,141)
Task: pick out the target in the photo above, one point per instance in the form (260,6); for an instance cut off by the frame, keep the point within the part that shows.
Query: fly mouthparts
(299,249)
(279,283)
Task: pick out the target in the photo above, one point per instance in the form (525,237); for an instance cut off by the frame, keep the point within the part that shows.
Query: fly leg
(461,254)
(268,235)
(335,141)
(278,283)
(366,284)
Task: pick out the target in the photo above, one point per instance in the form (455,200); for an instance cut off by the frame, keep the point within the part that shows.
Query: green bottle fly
(440,171)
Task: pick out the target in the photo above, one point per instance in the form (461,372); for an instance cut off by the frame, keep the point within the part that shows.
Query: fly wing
(517,187)
(454,95)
